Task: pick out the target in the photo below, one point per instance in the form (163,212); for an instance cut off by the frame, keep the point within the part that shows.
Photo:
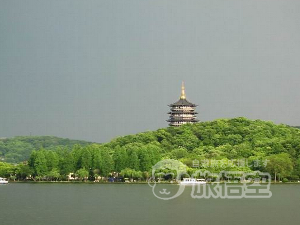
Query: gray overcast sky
(94,70)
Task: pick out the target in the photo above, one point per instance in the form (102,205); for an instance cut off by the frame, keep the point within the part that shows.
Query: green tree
(86,158)
(178,153)
(82,174)
(107,165)
(40,164)
(53,174)
(145,159)
(120,158)
(52,160)
(23,171)
(6,169)
(280,163)
(133,160)
(66,162)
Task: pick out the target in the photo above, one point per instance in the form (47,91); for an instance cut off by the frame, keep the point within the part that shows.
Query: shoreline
(126,183)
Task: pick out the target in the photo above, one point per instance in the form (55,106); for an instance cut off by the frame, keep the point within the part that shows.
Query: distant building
(182,111)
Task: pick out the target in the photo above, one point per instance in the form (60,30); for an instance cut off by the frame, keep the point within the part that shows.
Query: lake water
(45,204)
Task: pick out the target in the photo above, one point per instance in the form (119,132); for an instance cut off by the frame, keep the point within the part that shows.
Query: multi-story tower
(182,111)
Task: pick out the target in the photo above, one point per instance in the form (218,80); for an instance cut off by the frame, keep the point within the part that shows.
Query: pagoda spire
(182,91)
(182,111)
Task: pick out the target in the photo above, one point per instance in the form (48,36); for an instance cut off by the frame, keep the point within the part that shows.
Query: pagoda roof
(182,102)
(182,112)
(182,119)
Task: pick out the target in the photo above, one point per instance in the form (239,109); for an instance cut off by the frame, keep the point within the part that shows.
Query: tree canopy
(232,144)
(18,149)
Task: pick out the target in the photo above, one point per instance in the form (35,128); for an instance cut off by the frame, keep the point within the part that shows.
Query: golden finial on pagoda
(182,91)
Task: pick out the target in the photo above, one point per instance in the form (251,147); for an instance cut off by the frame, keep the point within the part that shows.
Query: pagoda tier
(179,113)
(182,111)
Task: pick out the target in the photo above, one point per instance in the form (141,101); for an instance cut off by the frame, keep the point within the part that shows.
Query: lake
(59,203)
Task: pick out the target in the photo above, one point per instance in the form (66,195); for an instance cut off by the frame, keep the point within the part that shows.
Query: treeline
(89,162)
(18,149)
(263,145)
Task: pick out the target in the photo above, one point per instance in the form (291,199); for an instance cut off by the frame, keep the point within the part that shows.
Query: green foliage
(130,173)
(40,163)
(284,180)
(6,169)
(23,171)
(53,174)
(66,162)
(133,160)
(280,164)
(133,156)
(82,174)
(18,149)
(107,164)
(120,158)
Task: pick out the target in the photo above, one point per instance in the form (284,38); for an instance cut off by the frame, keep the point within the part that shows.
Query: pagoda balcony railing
(183,115)
(182,119)
(181,108)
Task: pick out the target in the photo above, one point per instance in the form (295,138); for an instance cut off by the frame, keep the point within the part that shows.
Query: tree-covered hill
(18,149)
(237,144)
(230,138)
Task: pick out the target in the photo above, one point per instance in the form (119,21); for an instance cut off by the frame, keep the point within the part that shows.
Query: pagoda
(182,111)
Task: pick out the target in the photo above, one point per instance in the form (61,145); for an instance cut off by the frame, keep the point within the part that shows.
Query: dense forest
(18,149)
(224,144)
